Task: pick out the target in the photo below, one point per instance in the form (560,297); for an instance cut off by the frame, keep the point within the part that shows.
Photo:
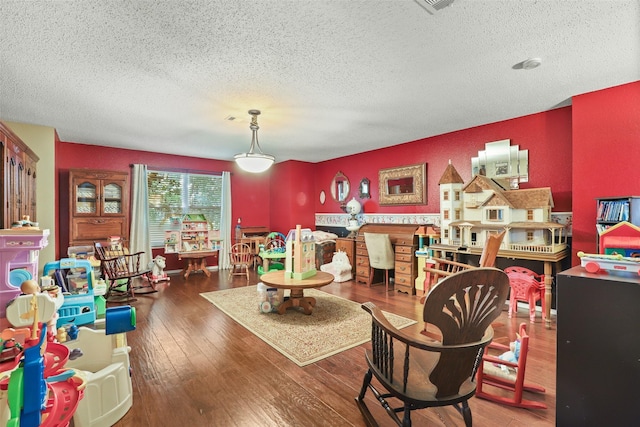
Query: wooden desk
(404,243)
(549,260)
(276,279)
(196,261)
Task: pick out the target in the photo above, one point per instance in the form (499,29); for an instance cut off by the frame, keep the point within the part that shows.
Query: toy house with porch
(470,213)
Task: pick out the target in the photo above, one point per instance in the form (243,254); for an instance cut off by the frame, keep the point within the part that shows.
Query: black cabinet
(598,367)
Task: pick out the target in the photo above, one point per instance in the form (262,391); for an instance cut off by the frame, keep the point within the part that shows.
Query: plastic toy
(40,390)
(615,264)
(157,267)
(79,305)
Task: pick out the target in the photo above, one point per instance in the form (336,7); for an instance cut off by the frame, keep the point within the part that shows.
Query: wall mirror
(363,190)
(340,188)
(502,161)
(405,185)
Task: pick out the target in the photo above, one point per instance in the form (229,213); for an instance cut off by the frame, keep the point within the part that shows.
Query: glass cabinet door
(86,198)
(112,198)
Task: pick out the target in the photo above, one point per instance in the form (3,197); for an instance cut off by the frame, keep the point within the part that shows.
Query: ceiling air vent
(432,6)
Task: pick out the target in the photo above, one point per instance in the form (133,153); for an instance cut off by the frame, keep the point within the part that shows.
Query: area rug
(335,325)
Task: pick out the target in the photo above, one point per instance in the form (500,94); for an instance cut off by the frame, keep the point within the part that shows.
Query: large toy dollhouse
(470,212)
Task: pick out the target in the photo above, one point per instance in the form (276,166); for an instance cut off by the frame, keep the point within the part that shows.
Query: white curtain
(225,222)
(139,240)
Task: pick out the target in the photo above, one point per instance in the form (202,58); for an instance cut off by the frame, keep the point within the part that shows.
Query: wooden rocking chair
(422,373)
(444,267)
(119,268)
(508,375)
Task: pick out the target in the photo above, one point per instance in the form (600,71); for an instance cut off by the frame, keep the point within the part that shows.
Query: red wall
(546,135)
(292,196)
(250,193)
(582,152)
(606,154)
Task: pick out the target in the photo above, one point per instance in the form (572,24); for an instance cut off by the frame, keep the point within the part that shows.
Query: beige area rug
(335,325)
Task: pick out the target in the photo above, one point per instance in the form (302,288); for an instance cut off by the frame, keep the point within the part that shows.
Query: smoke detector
(432,6)
(531,63)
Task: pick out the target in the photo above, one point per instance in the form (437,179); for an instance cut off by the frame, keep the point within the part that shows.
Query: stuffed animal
(157,268)
(512,355)
(339,267)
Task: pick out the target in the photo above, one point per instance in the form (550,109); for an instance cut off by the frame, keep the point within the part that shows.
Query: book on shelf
(613,210)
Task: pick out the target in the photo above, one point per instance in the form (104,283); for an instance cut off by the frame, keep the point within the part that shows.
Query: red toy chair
(526,286)
(511,378)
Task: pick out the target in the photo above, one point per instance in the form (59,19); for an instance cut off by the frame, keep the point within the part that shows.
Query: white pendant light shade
(254,162)
(251,161)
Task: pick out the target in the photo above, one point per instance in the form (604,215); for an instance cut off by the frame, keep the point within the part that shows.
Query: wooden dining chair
(241,259)
(418,372)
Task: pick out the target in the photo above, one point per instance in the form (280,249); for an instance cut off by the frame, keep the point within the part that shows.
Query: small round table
(276,279)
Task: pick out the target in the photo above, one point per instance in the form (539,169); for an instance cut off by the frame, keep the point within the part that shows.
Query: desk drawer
(362,261)
(404,249)
(400,257)
(404,268)
(404,284)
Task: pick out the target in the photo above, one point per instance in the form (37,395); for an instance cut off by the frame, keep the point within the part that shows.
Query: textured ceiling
(332,78)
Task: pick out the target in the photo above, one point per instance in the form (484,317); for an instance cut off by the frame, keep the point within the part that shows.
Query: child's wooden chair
(511,377)
(526,286)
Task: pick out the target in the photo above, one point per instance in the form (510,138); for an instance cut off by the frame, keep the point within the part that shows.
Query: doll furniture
(526,286)
(422,373)
(491,374)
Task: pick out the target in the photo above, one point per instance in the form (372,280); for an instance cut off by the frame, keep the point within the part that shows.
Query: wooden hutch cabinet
(19,178)
(98,205)
(404,243)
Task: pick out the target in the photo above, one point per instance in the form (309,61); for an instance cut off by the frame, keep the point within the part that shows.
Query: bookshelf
(612,210)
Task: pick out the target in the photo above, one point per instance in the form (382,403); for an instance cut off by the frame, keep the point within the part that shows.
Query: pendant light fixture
(251,161)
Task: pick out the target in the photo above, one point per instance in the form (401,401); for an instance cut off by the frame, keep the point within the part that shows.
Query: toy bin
(79,304)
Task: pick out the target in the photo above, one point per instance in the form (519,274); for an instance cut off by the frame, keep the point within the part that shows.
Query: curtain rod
(166,169)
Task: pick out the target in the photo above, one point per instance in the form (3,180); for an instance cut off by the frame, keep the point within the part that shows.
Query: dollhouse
(470,212)
(300,254)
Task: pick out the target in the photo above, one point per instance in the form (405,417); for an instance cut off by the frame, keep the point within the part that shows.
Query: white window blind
(173,194)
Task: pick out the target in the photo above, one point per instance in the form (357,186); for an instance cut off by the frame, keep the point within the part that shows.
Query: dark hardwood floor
(194,366)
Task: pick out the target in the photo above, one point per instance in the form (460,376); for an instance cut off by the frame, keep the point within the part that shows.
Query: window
(445,195)
(458,214)
(529,236)
(529,214)
(446,234)
(173,194)
(445,214)
(494,214)
(456,196)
